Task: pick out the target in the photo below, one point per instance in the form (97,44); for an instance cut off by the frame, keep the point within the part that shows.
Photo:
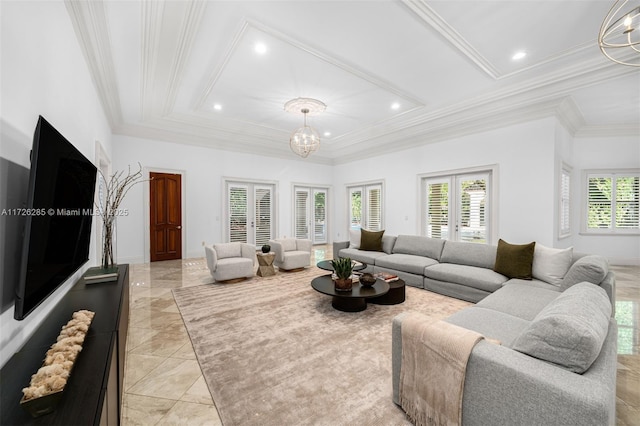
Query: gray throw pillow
(570,330)
(592,269)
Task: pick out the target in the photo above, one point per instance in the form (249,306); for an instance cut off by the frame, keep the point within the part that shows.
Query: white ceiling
(161,66)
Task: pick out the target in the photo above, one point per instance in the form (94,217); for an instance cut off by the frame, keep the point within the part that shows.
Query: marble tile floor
(164,385)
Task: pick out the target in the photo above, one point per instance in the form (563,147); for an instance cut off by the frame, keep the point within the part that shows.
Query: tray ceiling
(392,73)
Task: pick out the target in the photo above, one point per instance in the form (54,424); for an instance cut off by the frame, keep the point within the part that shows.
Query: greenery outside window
(612,202)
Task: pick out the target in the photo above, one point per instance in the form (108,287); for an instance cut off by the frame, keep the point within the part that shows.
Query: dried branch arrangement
(115,190)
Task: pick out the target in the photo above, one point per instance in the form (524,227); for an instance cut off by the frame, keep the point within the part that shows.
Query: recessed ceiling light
(519,55)
(260,48)
(217,107)
(395,105)
(327,134)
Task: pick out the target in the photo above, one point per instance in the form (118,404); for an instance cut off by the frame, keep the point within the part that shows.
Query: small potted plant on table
(343,269)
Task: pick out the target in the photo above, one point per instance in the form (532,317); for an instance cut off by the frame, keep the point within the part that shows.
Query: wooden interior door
(165,202)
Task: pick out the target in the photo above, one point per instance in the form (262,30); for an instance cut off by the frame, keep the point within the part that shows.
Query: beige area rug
(274,352)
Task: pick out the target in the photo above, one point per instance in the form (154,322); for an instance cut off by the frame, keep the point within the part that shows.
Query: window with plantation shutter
(565,202)
(302,213)
(457,206)
(263,215)
(250,212)
(237,213)
(366,207)
(310,218)
(613,202)
(437,218)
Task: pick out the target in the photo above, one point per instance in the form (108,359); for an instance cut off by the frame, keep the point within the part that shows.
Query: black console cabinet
(93,394)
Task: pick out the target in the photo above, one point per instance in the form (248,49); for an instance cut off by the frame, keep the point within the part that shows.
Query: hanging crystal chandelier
(619,37)
(305,140)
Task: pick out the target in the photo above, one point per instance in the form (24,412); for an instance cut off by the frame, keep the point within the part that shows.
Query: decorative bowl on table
(367,279)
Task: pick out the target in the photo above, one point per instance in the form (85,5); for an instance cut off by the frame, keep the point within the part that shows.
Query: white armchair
(291,254)
(229,261)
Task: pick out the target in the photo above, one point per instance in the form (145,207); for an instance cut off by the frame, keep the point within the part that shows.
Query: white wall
(604,153)
(524,154)
(43,73)
(203,172)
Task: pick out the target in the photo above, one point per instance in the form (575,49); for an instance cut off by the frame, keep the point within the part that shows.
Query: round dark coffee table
(394,296)
(349,301)
(326,265)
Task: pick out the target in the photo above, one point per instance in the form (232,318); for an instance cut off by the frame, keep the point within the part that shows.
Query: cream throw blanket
(434,362)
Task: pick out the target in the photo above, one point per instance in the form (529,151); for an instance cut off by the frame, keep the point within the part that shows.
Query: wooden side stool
(265,264)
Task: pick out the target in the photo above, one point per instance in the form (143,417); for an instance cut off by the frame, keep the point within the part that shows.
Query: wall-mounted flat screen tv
(59,207)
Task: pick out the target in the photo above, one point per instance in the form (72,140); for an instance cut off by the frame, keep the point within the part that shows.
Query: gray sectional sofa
(555,363)
(461,270)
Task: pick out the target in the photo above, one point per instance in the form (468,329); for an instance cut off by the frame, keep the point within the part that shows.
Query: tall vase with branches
(115,190)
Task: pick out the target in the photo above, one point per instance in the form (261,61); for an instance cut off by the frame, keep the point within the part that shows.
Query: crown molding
(151,15)
(429,16)
(90,25)
(621,130)
(167,131)
(188,30)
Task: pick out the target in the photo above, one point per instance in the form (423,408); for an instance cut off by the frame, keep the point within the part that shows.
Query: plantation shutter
(263,215)
(374,208)
(565,202)
(319,216)
(627,190)
(599,202)
(437,197)
(301,213)
(355,208)
(237,213)
(472,194)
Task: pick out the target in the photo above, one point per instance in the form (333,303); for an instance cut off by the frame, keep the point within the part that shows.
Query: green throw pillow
(514,261)
(370,240)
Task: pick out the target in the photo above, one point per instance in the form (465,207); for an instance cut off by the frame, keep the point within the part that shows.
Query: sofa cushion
(592,269)
(388,242)
(226,250)
(533,283)
(367,257)
(405,262)
(371,240)
(419,246)
(570,330)
(550,264)
(472,276)
(492,324)
(354,238)
(519,299)
(472,254)
(288,244)
(514,260)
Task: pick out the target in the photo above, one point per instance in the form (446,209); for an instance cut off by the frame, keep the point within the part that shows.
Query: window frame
(365,187)
(565,196)
(604,173)
(452,176)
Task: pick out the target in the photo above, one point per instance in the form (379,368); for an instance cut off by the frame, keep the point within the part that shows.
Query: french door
(365,207)
(457,207)
(310,213)
(250,212)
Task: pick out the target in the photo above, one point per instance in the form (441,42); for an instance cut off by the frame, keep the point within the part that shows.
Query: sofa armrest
(506,387)
(339,245)
(212,258)
(304,245)
(248,251)
(277,248)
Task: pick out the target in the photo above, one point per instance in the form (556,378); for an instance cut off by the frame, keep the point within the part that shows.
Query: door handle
(178,227)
